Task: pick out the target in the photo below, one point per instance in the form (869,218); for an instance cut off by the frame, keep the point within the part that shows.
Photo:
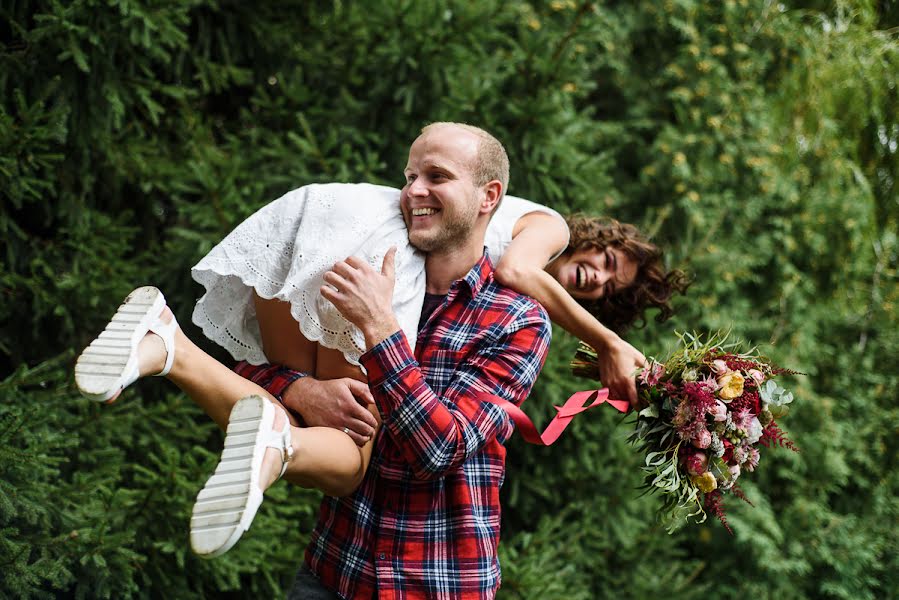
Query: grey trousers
(306,586)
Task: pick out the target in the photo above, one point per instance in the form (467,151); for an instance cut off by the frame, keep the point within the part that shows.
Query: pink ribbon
(575,405)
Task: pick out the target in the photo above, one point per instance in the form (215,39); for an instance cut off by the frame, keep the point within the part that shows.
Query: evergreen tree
(755,141)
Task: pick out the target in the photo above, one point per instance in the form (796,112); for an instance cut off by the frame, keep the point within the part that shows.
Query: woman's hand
(618,363)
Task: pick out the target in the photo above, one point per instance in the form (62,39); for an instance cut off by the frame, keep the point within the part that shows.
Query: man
(425,521)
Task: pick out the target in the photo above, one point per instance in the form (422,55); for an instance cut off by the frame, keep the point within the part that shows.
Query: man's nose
(418,188)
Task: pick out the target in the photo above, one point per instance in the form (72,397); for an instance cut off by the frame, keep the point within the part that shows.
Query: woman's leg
(282,341)
(331,364)
(334,463)
(323,458)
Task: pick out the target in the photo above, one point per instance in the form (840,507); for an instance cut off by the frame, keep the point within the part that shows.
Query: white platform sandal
(227,504)
(109,364)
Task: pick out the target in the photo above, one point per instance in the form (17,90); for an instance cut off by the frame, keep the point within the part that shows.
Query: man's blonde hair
(491,161)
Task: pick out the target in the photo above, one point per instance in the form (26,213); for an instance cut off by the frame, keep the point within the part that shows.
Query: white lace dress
(284,249)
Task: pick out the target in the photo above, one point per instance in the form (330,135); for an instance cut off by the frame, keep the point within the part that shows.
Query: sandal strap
(167,332)
(280,440)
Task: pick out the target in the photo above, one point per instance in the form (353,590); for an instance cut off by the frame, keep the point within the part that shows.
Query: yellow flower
(534,23)
(731,386)
(705,482)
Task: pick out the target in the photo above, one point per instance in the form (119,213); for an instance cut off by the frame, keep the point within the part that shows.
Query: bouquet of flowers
(708,410)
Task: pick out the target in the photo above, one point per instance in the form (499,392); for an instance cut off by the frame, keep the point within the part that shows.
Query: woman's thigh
(283,342)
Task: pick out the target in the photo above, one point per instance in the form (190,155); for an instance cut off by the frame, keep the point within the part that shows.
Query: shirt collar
(479,275)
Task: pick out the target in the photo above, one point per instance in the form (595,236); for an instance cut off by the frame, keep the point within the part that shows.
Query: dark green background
(756,141)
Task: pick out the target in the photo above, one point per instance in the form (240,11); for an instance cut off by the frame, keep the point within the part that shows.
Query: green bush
(756,141)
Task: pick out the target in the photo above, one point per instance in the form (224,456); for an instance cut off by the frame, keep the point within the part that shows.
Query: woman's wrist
(603,339)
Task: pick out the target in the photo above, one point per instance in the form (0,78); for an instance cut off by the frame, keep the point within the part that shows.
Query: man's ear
(493,191)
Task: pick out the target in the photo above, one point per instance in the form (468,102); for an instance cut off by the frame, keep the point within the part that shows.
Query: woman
(263,303)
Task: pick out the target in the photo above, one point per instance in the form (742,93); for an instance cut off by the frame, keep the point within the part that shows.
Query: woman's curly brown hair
(653,286)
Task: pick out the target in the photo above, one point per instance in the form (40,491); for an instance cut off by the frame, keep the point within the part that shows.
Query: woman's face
(593,273)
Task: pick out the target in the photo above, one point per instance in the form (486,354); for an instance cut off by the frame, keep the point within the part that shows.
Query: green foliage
(755,141)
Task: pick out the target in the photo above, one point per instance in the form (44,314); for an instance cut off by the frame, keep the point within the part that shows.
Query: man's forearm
(436,436)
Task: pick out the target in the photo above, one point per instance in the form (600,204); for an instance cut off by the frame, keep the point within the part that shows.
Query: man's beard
(454,230)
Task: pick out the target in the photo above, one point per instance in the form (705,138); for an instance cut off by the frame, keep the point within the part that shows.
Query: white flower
(754,431)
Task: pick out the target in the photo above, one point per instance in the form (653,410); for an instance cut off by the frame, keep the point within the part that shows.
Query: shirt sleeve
(274,378)
(437,434)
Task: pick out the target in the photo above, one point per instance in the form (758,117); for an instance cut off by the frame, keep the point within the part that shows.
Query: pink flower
(720,367)
(697,463)
(709,383)
(757,376)
(742,419)
(718,411)
(752,459)
(652,374)
(702,438)
(734,471)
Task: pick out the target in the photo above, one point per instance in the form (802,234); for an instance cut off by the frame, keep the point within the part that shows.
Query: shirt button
(382,556)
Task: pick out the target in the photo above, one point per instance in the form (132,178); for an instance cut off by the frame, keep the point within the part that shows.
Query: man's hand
(617,364)
(364,296)
(338,403)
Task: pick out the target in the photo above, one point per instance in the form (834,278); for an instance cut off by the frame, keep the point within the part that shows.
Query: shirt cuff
(273,378)
(387,358)
(282,380)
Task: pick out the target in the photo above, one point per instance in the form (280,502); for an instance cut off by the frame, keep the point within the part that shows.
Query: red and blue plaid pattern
(425,521)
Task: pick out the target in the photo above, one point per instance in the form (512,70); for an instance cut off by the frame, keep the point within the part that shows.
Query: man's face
(440,200)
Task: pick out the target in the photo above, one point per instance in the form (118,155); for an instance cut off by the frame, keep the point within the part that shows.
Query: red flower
(728,450)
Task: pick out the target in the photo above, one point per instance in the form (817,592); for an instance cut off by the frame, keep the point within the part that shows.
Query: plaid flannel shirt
(425,521)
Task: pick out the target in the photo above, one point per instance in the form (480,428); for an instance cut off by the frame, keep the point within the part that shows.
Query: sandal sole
(227,504)
(104,366)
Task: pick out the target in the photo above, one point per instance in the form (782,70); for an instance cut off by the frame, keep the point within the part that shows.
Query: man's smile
(423,212)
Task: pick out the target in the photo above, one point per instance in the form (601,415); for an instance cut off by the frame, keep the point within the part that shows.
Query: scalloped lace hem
(242,346)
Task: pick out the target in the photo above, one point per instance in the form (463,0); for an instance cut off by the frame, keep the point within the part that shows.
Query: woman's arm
(536,238)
